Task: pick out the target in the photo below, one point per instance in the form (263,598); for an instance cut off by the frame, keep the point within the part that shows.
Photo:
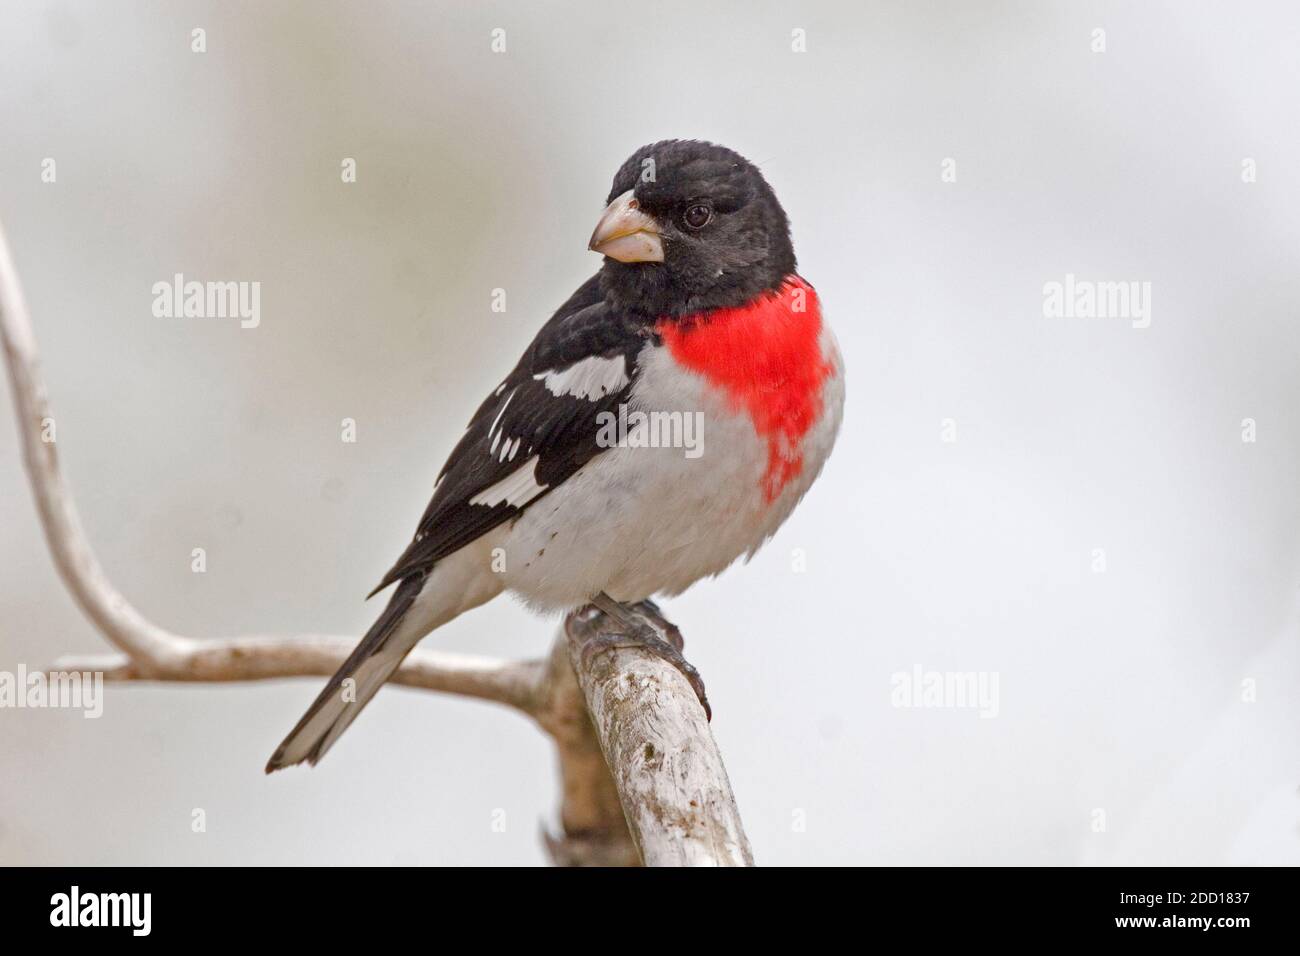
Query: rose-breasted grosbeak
(559,492)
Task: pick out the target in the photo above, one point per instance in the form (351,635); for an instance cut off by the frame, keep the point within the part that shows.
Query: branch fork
(641,776)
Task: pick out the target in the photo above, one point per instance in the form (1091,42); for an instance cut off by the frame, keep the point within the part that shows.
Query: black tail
(375,659)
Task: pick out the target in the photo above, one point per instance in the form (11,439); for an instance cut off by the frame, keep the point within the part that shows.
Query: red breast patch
(766,358)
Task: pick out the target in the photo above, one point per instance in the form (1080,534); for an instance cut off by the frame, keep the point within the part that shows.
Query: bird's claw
(667,648)
(670,630)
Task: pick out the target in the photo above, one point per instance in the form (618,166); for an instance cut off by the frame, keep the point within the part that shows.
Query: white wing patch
(515,489)
(492,430)
(510,449)
(592,378)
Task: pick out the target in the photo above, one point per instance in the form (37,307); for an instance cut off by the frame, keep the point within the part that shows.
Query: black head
(691,226)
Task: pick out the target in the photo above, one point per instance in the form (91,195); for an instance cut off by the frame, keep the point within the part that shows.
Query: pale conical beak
(626,233)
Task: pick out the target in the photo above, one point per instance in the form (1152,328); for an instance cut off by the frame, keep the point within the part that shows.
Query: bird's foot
(643,627)
(671,632)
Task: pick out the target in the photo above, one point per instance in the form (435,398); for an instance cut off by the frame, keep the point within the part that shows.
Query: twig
(151,652)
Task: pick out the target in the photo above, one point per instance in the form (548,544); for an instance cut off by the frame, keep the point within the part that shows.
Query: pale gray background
(1118,691)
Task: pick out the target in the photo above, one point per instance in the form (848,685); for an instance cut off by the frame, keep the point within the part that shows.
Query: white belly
(639,521)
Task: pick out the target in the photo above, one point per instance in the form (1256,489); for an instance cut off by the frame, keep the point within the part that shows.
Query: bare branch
(516,683)
(152,652)
(656,739)
(593,831)
(594,828)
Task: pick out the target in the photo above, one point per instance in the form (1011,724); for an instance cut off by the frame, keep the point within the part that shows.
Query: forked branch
(668,779)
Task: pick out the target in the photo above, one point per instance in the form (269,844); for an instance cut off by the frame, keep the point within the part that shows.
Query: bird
(661,425)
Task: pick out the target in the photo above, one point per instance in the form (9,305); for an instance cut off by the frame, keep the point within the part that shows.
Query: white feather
(492,430)
(515,489)
(592,378)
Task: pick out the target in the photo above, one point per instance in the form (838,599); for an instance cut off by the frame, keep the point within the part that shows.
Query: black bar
(332,906)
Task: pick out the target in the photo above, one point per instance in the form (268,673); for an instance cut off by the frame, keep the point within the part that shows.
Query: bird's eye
(697,215)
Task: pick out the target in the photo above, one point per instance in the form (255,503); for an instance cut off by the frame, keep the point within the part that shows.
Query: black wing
(523,420)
